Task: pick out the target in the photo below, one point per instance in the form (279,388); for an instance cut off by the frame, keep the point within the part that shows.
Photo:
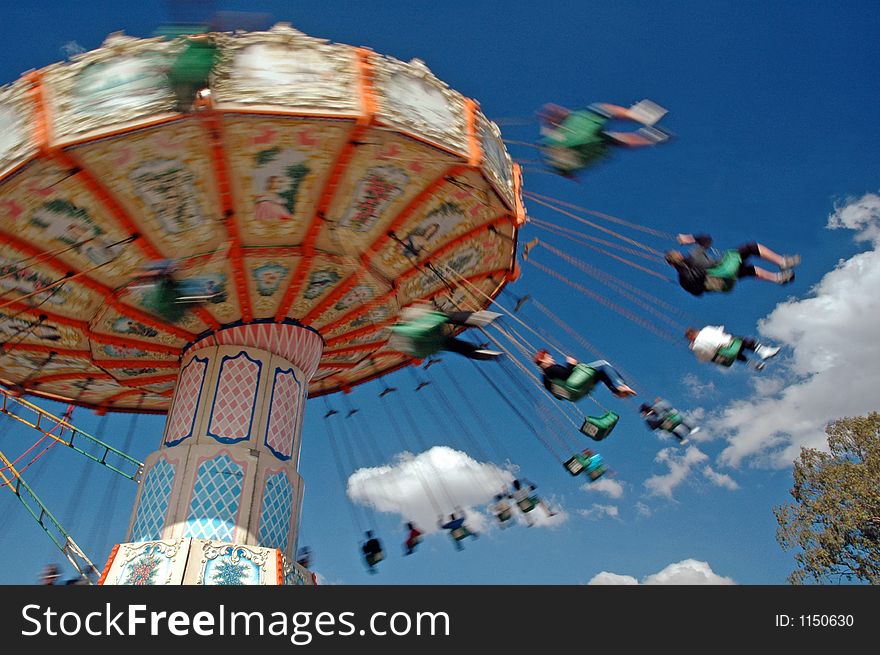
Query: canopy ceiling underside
(330,193)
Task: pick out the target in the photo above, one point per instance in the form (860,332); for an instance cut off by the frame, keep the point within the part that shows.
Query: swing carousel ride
(217,226)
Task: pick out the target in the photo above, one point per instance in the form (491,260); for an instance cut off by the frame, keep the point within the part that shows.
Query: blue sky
(773,107)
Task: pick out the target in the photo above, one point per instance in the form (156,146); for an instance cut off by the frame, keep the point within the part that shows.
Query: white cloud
(413,485)
(605,578)
(696,388)
(643,509)
(834,365)
(720,479)
(605,485)
(862,215)
(598,511)
(685,572)
(539,518)
(680,466)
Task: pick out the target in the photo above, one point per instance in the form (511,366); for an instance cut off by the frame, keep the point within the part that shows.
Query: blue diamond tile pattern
(215,500)
(275,513)
(153,505)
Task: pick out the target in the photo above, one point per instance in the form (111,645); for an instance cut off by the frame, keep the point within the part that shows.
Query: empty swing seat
(593,465)
(726,355)
(504,515)
(459,533)
(599,427)
(578,384)
(527,504)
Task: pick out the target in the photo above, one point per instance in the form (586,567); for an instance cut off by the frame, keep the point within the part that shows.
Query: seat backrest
(459,533)
(599,427)
(726,355)
(578,384)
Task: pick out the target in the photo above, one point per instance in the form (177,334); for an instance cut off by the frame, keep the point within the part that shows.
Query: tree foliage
(834,520)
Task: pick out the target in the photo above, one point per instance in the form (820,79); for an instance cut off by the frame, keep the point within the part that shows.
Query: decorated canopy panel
(315,183)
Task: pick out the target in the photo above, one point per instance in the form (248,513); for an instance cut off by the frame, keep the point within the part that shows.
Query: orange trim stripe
(39,348)
(363,347)
(519,208)
(108,565)
(41,117)
(475,150)
(153,379)
(356,333)
(63,377)
(220,164)
(369,107)
(139,363)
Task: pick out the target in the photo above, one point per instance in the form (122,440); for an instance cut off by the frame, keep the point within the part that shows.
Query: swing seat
(722,277)
(459,533)
(421,337)
(192,67)
(578,384)
(596,467)
(672,421)
(599,427)
(726,355)
(573,465)
(526,505)
(504,515)
(161,299)
(375,558)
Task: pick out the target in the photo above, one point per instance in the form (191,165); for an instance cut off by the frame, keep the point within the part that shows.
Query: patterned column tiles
(186,402)
(235,400)
(276,511)
(153,504)
(216,499)
(284,408)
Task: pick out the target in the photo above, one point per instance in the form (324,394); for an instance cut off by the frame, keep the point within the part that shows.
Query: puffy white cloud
(605,578)
(413,484)
(720,479)
(598,511)
(680,466)
(605,485)
(833,367)
(685,572)
(538,517)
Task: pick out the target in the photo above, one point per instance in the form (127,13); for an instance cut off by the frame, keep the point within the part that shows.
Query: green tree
(834,520)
